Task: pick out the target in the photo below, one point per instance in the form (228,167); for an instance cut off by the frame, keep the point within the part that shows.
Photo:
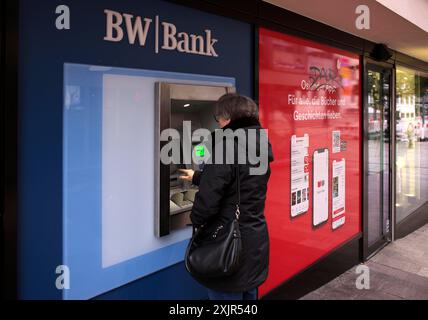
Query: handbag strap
(238,192)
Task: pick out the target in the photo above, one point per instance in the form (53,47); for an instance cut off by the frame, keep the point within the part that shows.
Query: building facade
(89,212)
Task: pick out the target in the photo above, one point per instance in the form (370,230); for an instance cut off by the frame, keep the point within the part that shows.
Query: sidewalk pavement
(399,271)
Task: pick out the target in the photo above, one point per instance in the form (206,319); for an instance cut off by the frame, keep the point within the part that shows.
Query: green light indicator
(200,151)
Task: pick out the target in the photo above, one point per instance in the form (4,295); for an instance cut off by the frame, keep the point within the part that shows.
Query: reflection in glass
(412,142)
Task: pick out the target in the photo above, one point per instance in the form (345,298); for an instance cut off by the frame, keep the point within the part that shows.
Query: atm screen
(200,115)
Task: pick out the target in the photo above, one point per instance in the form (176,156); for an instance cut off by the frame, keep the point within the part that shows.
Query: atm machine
(175,104)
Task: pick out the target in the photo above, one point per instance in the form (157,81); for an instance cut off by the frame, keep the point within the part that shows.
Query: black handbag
(214,251)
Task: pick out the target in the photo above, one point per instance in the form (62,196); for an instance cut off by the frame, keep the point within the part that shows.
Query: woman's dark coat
(216,203)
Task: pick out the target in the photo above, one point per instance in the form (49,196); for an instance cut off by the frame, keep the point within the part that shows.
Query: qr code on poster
(336,141)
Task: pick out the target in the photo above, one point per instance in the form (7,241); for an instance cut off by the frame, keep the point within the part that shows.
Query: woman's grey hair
(233,106)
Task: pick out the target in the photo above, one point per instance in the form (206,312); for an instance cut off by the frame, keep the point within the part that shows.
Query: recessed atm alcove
(177,103)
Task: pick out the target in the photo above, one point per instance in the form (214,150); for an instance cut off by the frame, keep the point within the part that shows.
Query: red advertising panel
(310,104)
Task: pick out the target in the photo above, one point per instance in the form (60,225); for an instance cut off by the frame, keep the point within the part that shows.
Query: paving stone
(399,271)
(423,272)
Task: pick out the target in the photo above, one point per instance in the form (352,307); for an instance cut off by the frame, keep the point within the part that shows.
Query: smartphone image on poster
(338,193)
(299,175)
(320,187)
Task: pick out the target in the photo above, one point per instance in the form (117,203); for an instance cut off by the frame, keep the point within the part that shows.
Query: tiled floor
(399,271)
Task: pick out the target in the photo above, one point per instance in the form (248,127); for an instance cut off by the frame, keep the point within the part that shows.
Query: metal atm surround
(167,94)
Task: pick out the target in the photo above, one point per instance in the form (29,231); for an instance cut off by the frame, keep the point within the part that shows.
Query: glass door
(377,147)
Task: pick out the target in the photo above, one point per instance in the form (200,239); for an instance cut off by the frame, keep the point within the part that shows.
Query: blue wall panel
(43,52)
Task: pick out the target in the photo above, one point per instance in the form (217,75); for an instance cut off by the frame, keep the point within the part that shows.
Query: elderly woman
(217,198)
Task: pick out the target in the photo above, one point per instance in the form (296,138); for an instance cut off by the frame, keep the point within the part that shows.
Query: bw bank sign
(135,30)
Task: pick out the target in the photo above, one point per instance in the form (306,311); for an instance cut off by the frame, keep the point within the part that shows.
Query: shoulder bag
(216,253)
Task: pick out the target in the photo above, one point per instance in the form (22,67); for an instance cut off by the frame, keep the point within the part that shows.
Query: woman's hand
(187,175)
